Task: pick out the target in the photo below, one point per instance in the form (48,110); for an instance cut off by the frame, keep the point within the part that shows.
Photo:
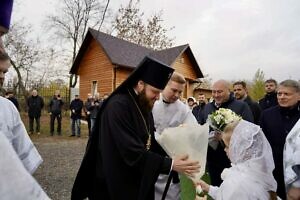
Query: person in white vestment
(250,175)
(13,128)
(16,183)
(291,159)
(169,111)
(289,91)
(19,158)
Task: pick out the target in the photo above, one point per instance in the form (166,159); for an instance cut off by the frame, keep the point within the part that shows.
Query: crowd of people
(253,154)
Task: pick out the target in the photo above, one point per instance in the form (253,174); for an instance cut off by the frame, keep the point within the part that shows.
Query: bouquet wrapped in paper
(186,139)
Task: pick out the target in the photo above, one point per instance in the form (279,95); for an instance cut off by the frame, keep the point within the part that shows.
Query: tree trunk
(20,81)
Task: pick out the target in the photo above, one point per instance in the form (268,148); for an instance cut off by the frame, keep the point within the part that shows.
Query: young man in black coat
(35,104)
(270,99)
(118,163)
(76,106)
(241,93)
(198,110)
(55,108)
(217,159)
(276,123)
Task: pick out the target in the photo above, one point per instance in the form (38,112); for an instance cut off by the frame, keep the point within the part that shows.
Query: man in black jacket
(270,99)
(241,93)
(198,110)
(55,108)
(277,122)
(10,96)
(217,159)
(35,104)
(76,108)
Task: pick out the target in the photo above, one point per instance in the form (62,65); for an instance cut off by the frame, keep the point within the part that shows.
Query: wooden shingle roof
(127,54)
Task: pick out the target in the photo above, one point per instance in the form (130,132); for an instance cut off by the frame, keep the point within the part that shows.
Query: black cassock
(116,164)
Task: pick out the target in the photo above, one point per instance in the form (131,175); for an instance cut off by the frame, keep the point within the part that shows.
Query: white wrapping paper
(186,139)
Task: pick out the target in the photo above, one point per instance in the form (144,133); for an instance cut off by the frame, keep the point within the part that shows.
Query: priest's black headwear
(149,70)
(152,72)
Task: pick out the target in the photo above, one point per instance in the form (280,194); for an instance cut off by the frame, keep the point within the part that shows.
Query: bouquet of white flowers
(186,139)
(219,119)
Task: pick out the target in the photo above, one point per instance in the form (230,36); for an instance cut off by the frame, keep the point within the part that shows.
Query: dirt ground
(62,158)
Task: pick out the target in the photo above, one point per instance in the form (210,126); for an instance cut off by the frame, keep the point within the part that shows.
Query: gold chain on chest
(148,144)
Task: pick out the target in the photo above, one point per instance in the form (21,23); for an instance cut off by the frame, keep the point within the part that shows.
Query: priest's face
(172,91)
(147,97)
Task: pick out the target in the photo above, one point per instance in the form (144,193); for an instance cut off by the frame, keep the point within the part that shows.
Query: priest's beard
(145,103)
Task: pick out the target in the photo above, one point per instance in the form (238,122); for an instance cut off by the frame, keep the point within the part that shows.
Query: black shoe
(78,135)
(71,135)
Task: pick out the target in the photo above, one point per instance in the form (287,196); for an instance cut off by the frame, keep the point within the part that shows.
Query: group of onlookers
(276,113)
(35,104)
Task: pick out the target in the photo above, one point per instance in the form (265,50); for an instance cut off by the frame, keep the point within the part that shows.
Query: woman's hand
(182,164)
(293,193)
(204,186)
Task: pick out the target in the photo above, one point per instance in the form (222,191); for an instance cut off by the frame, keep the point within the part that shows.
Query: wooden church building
(104,61)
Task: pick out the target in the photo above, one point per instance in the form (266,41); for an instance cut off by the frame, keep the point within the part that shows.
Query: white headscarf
(250,176)
(249,149)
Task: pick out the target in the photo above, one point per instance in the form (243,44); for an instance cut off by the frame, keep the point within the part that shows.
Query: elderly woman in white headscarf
(250,176)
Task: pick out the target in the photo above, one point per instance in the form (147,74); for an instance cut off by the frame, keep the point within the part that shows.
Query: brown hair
(242,83)
(271,81)
(178,78)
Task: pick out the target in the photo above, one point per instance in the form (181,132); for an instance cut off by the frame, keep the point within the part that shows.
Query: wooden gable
(184,66)
(95,67)
(104,62)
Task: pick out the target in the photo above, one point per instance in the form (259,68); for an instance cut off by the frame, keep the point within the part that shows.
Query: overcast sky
(230,39)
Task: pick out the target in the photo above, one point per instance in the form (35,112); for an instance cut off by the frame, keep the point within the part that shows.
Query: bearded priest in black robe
(118,164)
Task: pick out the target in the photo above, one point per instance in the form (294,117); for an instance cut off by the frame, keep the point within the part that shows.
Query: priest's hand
(183,165)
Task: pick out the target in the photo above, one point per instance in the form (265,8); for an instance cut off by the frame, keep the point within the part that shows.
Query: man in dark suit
(35,105)
(241,93)
(270,99)
(277,122)
(217,159)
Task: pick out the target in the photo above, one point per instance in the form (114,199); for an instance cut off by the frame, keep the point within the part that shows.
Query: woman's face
(226,139)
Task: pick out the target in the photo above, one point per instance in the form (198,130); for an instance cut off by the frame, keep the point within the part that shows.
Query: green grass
(45,126)
(188,191)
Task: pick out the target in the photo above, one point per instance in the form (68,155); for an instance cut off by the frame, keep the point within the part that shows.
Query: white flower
(199,189)
(220,118)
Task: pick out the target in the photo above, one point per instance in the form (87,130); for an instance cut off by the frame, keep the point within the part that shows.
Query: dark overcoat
(35,105)
(276,123)
(117,164)
(217,159)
